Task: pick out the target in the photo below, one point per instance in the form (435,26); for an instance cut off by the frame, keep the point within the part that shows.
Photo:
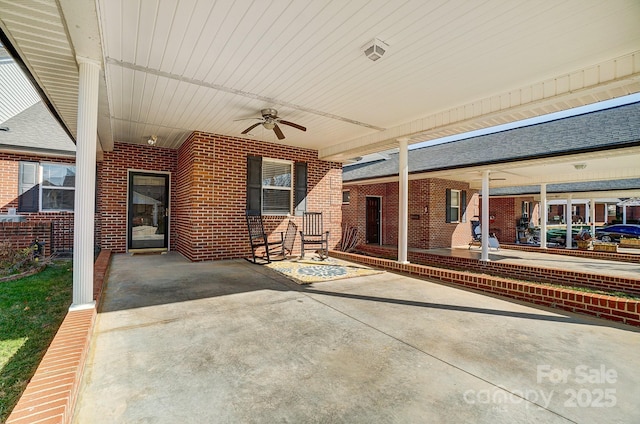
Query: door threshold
(148,251)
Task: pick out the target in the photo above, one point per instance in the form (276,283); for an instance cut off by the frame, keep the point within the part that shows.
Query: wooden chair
(313,236)
(259,240)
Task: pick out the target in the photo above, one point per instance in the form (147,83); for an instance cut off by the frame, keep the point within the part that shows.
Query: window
(270,186)
(58,187)
(46,187)
(346,197)
(456,205)
(276,187)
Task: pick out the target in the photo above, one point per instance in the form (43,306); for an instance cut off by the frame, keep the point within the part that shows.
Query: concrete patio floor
(229,341)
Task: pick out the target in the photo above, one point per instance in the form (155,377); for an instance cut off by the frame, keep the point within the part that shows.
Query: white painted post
(624,214)
(403,207)
(484,256)
(568,220)
(543,216)
(592,219)
(587,210)
(84,207)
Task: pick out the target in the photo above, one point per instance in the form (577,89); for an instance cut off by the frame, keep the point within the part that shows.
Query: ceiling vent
(375,48)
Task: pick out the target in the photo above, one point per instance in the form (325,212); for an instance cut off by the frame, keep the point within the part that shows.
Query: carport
(143,70)
(228,341)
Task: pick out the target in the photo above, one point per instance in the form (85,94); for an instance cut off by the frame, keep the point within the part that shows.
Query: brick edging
(52,391)
(602,306)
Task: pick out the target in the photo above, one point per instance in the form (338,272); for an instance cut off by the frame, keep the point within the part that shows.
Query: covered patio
(166,85)
(228,341)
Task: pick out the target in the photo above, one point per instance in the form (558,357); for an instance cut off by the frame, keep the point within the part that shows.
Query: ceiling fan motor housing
(269,113)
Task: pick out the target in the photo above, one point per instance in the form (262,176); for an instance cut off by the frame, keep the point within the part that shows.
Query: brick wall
(111,210)
(427,228)
(211,194)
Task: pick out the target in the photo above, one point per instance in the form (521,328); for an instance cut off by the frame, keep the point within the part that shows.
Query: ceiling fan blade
(251,127)
(246,119)
(278,131)
(291,124)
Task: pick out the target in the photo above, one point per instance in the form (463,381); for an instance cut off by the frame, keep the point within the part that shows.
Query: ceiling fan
(270,121)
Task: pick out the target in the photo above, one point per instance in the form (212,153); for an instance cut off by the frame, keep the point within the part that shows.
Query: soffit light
(152,140)
(579,166)
(375,49)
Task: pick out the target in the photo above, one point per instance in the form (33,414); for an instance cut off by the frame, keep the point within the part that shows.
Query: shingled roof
(35,130)
(595,131)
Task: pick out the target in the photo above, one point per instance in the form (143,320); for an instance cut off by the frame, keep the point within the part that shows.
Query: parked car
(615,231)
(559,235)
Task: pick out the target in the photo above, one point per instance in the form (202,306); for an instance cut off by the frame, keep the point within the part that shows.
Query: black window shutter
(463,206)
(28,187)
(300,197)
(448,206)
(254,183)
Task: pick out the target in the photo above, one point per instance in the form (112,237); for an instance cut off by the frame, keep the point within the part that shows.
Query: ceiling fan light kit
(270,121)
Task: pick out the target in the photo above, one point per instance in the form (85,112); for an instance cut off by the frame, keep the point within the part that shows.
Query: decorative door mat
(308,271)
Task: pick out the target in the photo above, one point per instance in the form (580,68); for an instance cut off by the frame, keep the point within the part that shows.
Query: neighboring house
(37,182)
(37,166)
(443,180)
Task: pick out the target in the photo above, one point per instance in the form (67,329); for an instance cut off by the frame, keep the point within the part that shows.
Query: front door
(148,225)
(373,220)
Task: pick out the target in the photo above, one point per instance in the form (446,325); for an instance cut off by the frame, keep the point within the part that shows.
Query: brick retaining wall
(608,307)
(514,271)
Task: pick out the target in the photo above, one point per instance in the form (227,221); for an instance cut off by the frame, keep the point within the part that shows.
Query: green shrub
(14,260)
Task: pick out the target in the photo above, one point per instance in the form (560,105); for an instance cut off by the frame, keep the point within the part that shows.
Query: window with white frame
(277,188)
(456,203)
(46,187)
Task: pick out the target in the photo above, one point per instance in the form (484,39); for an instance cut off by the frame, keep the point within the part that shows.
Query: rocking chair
(258,239)
(313,236)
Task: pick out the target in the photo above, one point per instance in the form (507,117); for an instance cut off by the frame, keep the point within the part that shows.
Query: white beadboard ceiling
(172,67)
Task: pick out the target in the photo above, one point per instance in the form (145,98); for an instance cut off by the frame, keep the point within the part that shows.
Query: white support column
(84,207)
(592,217)
(544,215)
(568,219)
(587,210)
(606,213)
(484,256)
(624,214)
(403,207)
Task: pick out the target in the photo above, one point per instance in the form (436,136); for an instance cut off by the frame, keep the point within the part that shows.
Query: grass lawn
(31,311)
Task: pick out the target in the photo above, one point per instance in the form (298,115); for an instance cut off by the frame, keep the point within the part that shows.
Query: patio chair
(476,233)
(259,240)
(312,236)
(476,236)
